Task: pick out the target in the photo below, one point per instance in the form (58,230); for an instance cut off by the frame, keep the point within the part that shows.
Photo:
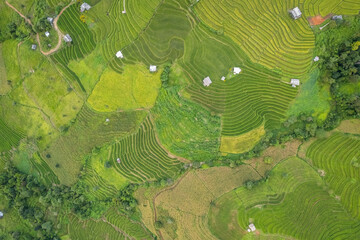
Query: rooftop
(67,38)
(153,68)
(1,214)
(223,78)
(47,34)
(295,82)
(316,59)
(237,70)
(207,81)
(33,47)
(252,227)
(119,54)
(296,13)
(84,7)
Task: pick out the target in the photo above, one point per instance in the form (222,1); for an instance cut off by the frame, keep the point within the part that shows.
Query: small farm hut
(1,214)
(67,38)
(47,34)
(119,54)
(33,47)
(237,70)
(316,59)
(295,82)
(337,17)
(223,78)
(207,81)
(85,7)
(153,68)
(50,20)
(118,160)
(295,13)
(252,227)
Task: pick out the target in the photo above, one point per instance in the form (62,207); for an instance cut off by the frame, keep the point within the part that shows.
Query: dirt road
(60,35)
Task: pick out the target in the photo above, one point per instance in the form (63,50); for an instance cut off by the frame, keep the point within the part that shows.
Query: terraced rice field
(337,156)
(188,202)
(294,202)
(89,130)
(142,158)
(113,226)
(8,137)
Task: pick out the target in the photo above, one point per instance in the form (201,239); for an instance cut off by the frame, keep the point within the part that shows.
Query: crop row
(141,157)
(8,137)
(265,31)
(338,156)
(248,100)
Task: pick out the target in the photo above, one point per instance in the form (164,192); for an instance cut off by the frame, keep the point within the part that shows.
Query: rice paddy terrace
(146,89)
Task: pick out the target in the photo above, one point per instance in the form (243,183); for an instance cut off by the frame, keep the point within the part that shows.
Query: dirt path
(60,35)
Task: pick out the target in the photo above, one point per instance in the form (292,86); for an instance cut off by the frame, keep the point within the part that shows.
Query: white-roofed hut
(85,7)
(119,54)
(295,82)
(237,70)
(295,13)
(207,81)
(152,68)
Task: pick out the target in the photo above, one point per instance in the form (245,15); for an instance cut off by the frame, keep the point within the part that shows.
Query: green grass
(10,56)
(312,98)
(135,88)
(337,156)
(4,86)
(89,69)
(142,158)
(185,128)
(294,202)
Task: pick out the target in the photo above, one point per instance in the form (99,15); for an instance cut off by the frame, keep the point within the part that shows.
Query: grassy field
(4,86)
(135,88)
(294,198)
(8,137)
(185,128)
(188,202)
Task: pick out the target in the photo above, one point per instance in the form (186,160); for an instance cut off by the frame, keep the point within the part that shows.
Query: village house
(67,38)
(153,68)
(1,214)
(119,54)
(47,34)
(84,7)
(316,59)
(207,81)
(33,47)
(295,82)
(223,78)
(50,20)
(236,70)
(295,13)
(251,228)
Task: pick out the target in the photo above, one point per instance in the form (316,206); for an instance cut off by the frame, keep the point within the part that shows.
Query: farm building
(295,82)
(33,47)
(223,78)
(84,7)
(207,81)
(153,68)
(337,17)
(47,34)
(237,70)
(119,54)
(295,13)
(316,59)
(251,228)
(1,214)
(67,38)
(50,20)
(118,160)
